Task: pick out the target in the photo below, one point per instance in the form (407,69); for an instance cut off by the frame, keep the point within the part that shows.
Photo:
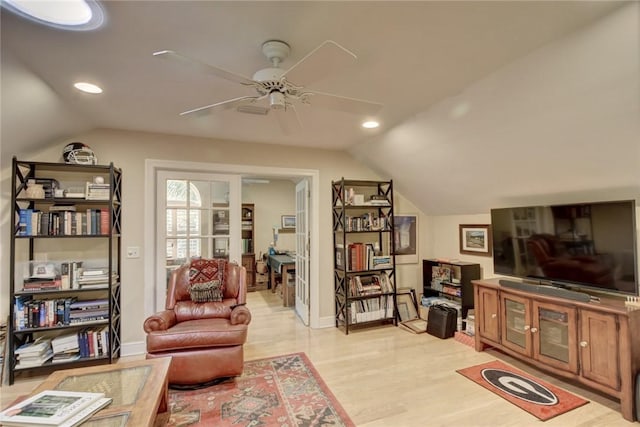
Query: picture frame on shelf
(288,222)
(475,239)
(405,238)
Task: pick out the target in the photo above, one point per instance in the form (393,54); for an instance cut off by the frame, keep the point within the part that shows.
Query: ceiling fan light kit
(275,90)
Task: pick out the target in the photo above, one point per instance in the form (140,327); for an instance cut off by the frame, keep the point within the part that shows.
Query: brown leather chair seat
(195,334)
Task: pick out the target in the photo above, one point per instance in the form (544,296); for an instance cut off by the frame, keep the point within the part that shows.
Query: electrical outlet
(133,252)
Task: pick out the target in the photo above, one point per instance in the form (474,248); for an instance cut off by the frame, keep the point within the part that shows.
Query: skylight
(65,14)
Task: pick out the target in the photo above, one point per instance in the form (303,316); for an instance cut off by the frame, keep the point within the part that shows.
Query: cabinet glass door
(516,323)
(554,334)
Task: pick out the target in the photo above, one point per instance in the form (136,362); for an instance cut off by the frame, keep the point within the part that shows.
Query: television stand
(594,343)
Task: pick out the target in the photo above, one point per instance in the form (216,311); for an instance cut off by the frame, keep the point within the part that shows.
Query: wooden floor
(389,377)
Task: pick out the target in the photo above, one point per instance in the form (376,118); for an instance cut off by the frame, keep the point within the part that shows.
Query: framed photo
(405,238)
(475,239)
(417,326)
(288,222)
(403,311)
(407,306)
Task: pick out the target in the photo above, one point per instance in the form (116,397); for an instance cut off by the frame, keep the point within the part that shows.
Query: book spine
(104,221)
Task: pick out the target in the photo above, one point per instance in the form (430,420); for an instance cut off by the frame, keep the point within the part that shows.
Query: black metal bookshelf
(27,247)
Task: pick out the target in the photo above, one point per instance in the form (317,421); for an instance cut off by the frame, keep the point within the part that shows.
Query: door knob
(493,316)
(534,330)
(583,344)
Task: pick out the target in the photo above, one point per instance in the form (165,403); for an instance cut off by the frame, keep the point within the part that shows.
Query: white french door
(197,215)
(302,250)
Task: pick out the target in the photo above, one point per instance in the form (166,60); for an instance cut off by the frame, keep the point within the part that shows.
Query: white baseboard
(133,348)
(326,322)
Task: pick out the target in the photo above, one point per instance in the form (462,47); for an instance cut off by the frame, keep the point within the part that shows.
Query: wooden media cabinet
(596,342)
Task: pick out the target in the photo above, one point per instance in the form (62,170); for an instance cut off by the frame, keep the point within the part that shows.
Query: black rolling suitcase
(441,321)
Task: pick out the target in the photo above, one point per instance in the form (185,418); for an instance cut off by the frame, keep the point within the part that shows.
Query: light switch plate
(133,252)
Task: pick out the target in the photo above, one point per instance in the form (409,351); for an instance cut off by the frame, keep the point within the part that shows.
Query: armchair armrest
(160,321)
(240,314)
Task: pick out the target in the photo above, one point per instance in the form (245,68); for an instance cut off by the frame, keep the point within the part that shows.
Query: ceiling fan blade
(288,119)
(341,103)
(320,62)
(205,68)
(224,105)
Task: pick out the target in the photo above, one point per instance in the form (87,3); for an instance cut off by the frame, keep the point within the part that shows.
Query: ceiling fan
(279,90)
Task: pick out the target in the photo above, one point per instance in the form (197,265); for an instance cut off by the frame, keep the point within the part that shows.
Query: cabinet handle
(526,327)
(493,316)
(534,330)
(583,344)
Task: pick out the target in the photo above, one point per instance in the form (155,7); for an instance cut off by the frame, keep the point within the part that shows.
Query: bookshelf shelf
(362,238)
(48,234)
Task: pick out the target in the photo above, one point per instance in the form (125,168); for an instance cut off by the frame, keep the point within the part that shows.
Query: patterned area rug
(283,391)
(537,397)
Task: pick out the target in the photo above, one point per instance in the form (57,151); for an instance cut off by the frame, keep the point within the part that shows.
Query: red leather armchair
(204,339)
(552,257)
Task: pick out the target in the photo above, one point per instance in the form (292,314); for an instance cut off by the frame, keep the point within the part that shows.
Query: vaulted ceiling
(412,57)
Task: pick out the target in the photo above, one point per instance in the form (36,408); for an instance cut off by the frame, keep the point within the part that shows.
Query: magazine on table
(54,408)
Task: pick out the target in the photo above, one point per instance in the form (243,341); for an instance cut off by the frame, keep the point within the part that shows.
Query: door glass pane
(515,318)
(554,334)
(220,247)
(221,220)
(176,193)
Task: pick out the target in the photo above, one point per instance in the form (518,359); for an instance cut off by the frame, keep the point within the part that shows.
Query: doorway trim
(153,166)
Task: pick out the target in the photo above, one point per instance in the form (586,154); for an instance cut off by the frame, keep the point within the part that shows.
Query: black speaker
(546,290)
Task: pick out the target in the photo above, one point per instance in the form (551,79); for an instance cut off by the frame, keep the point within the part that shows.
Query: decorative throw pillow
(206,291)
(205,270)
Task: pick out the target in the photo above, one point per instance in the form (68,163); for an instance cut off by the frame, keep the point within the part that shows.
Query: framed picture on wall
(288,222)
(405,238)
(475,239)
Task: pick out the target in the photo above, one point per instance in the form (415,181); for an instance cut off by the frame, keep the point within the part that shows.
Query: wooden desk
(139,389)
(284,265)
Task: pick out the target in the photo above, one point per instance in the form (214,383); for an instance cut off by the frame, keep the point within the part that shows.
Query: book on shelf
(54,408)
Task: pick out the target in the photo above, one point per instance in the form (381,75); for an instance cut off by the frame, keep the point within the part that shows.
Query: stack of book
(35,353)
(95,278)
(65,348)
(378,200)
(89,311)
(54,408)
(97,191)
(34,285)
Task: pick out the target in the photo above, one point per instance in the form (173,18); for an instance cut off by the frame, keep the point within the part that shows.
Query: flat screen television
(574,245)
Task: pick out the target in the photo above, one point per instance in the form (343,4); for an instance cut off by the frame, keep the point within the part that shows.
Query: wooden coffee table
(139,390)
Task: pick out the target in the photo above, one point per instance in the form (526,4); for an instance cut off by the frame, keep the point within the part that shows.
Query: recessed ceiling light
(65,14)
(371,124)
(87,87)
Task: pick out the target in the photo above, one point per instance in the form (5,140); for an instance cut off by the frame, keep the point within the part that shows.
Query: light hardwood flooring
(389,377)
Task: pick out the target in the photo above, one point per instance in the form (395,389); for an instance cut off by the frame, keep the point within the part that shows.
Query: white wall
(271,201)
